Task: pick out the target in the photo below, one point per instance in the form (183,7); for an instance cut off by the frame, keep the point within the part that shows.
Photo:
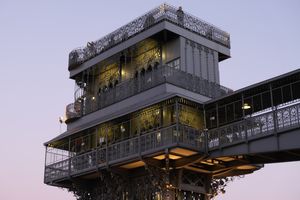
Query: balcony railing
(163,12)
(143,82)
(256,126)
(132,148)
(253,127)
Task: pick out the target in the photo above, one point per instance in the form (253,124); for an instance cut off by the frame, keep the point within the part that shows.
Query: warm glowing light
(133,165)
(171,156)
(122,128)
(93,98)
(183,152)
(246,167)
(246,106)
(123,73)
(163,55)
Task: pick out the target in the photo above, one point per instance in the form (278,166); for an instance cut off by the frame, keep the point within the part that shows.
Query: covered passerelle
(260,97)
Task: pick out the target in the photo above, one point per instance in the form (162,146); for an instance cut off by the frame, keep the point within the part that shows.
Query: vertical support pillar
(193,57)
(217,114)
(106,148)
(167,165)
(139,139)
(207,187)
(160,55)
(94,98)
(185,55)
(46,151)
(83,91)
(200,59)
(177,121)
(161,116)
(207,63)
(96,149)
(70,157)
(217,118)
(205,131)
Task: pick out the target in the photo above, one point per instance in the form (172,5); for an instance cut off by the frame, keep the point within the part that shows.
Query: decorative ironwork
(163,12)
(248,129)
(192,178)
(255,126)
(108,186)
(147,80)
(133,147)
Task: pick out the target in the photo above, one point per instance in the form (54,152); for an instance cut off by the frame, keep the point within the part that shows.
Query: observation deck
(162,13)
(85,103)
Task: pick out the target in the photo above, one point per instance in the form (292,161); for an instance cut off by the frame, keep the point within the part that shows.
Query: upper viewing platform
(162,13)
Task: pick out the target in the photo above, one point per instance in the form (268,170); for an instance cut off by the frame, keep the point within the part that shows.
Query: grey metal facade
(150,119)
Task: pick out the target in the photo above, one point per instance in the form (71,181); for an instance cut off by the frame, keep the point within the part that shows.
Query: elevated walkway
(272,136)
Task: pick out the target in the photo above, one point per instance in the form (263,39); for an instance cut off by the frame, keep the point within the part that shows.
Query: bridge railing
(128,149)
(258,125)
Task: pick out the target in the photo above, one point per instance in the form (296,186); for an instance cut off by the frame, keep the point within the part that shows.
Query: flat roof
(163,12)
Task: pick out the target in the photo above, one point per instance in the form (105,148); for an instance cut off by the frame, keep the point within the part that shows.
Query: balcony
(266,123)
(159,14)
(67,164)
(144,81)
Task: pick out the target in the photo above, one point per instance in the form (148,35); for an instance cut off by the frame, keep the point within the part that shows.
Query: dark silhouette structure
(150,119)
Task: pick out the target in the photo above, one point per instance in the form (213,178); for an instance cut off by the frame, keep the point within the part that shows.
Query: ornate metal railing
(164,74)
(163,12)
(253,127)
(58,169)
(122,151)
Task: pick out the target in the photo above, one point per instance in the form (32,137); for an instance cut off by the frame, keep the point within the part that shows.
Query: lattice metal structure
(150,119)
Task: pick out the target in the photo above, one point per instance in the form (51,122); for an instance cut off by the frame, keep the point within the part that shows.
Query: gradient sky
(36,37)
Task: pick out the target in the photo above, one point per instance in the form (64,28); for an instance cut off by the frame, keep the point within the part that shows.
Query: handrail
(163,74)
(252,127)
(151,141)
(255,126)
(158,14)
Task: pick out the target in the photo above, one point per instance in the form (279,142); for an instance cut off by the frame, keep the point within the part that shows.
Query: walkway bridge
(273,136)
(269,137)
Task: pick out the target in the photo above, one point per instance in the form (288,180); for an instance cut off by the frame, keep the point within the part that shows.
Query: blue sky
(36,37)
